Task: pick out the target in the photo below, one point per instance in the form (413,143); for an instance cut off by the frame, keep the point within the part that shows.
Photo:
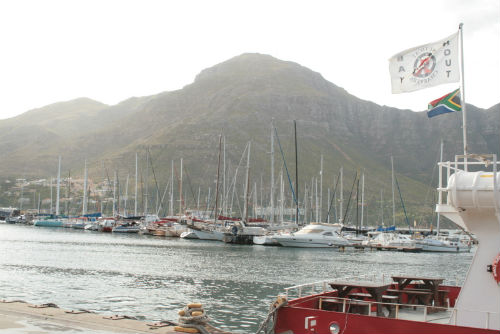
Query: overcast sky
(109,51)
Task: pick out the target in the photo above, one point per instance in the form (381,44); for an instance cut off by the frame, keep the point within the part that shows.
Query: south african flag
(448,103)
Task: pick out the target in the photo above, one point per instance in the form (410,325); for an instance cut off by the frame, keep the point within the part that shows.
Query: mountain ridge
(242,96)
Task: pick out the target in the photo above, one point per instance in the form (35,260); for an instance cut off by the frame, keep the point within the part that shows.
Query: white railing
(312,288)
(485,160)
(416,310)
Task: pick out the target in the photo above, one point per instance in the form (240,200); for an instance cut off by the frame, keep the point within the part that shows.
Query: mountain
(241,97)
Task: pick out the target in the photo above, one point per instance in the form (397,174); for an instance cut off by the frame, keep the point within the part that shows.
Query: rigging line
(162,198)
(333,195)
(109,186)
(286,168)
(350,195)
(189,183)
(402,203)
(233,182)
(154,175)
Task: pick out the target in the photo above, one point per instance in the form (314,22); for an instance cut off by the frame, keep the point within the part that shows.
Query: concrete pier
(21,317)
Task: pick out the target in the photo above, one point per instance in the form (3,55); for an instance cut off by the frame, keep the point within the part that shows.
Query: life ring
(495,269)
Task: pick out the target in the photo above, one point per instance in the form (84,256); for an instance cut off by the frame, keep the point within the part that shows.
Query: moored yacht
(441,244)
(315,235)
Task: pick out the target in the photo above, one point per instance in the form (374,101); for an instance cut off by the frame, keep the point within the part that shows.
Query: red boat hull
(294,319)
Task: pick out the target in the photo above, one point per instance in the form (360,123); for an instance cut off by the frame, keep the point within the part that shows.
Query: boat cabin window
(310,231)
(328,233)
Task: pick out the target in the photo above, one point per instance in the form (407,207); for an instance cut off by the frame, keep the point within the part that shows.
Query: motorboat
(269,239)
(443,244)
(106,224)
(189,234)
(50,222)
(128,227)
(392,241)
(314,235)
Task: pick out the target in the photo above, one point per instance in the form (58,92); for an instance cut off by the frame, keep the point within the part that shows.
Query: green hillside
(241,97)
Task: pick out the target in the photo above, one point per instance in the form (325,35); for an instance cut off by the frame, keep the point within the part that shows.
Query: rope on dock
(44,305)
(275,306)
(193,319)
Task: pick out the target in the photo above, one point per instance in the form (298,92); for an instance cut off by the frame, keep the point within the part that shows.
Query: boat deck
(440,317)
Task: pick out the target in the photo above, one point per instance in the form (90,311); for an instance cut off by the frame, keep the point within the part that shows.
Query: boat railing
(462,163)
(414,312)
(322,286)
(312,288)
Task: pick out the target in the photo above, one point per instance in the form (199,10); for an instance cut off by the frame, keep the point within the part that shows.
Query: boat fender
(495,269)
(234,230)
(194,305)
(186,329)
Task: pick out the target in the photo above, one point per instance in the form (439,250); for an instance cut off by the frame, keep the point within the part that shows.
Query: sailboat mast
(382,207)
(171,209)
(316,198)
(296,176)
(224,197)
(357,208)
(282,196)
(255,199)
(245,208)
(58,186)
(135,194)
(146,195)
(68,193)
(305,204)
(217,183)
(51,204)
(272,172)
(393,202)
(328,212)
(114,195)
(126,197)
(321,189)
(84,208)
(362,197)
(341,208)
(180,192)
(198,201)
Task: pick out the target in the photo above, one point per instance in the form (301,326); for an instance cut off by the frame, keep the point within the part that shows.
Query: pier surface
(20,317)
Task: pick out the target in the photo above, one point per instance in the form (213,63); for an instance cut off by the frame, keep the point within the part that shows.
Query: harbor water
(152,278)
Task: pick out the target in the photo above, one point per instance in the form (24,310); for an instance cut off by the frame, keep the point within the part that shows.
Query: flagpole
(462,93)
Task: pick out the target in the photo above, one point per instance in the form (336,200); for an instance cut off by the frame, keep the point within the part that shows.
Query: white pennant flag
(425,66)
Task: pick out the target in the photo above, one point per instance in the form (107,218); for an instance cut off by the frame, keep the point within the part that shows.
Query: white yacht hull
(189,235)
(267,240)
(444,248)
(311,243)
(209,235)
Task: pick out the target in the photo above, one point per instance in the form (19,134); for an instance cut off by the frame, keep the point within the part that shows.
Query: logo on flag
(448,103)
(425,66)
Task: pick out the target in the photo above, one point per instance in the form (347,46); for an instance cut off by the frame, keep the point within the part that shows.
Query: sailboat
(53,221)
